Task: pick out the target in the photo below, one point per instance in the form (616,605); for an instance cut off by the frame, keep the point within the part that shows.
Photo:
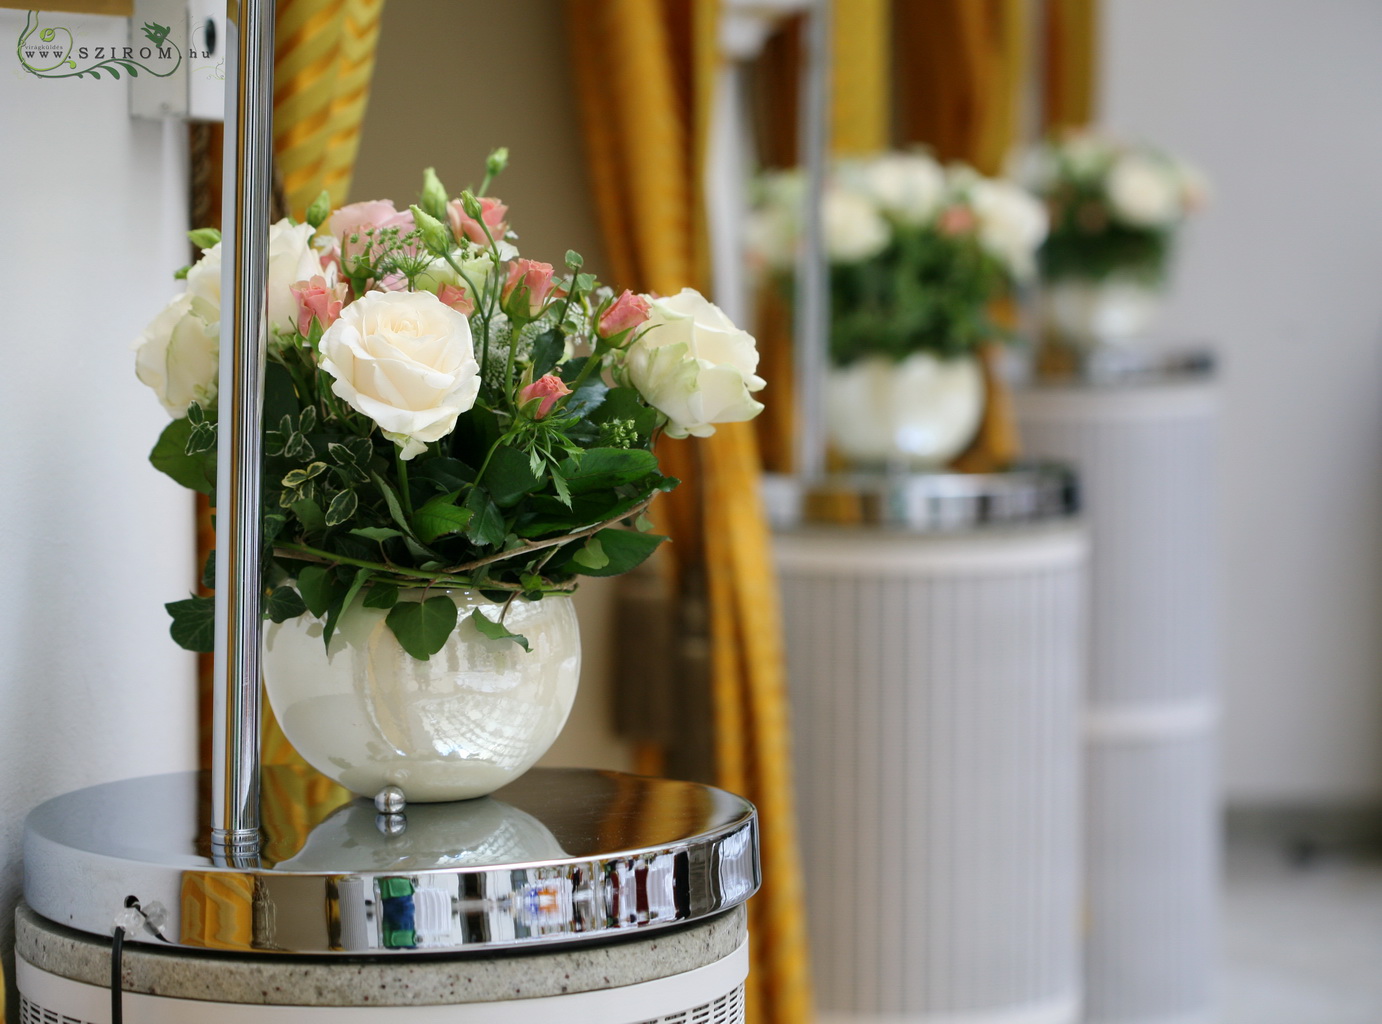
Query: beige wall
(454,81)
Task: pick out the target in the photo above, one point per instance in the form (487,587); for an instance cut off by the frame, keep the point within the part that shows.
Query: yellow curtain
(1072,63)
(323,62)
(645,124)
(861,76)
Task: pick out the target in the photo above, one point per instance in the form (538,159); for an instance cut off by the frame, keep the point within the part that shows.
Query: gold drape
(861,76)
(645,123)
(1072,63)
(323,62)
(960,71)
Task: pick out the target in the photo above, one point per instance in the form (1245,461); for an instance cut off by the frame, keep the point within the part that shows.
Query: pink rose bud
(547,389)
(958,220)
(624,313)
(316,299)
(492,212)
(528,287)
(457,298)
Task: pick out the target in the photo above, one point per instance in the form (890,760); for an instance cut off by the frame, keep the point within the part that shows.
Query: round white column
(935,684)
(1145,453)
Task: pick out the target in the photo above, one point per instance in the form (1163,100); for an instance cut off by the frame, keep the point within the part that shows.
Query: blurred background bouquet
(919,254)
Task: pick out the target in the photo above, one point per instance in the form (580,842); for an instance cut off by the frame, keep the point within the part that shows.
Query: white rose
(1143,191)
(291,259)
(440,272)
(693,365)
(770,237)
(854,229)
(178,355)
(1012,224)
(406,361)
(909,186)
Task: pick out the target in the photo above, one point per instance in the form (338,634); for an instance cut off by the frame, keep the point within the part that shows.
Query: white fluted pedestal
(935,684)
(1145,452)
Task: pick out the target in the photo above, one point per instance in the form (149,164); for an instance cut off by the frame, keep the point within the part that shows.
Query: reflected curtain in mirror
(644,71)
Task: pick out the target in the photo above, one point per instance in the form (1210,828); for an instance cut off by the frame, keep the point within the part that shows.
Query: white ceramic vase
(471,719)
(918,413)
(1087,314)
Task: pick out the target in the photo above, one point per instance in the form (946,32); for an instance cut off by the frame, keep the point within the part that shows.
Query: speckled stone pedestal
(647,978)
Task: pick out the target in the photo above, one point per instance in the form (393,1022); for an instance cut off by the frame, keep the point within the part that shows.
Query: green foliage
(496,630)
(925,292)
(506,503)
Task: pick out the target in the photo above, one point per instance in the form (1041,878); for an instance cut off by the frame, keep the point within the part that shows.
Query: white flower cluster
(178,354)
(1142,187)
(868,201)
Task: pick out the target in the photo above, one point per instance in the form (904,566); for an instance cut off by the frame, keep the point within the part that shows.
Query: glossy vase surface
(916,413)
(470,719)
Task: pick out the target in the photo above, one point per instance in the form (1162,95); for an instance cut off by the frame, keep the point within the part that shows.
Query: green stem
(403,491)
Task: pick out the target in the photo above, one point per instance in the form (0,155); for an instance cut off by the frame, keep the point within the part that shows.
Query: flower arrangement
(1115,207)
(917,251)
(440,412)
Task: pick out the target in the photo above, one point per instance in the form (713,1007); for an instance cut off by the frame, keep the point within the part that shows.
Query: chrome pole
(811,312)
(246,181)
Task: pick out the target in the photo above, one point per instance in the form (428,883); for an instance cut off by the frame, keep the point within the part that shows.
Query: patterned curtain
(645,118)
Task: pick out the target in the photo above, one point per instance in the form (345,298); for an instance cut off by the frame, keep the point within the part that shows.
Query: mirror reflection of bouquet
(441,412)
(1115,207)
(918,254)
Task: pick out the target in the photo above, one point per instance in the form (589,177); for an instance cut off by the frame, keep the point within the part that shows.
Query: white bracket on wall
(196,90)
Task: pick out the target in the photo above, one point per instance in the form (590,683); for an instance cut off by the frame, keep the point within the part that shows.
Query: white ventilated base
(1146,461)
(935,685)
(713,994)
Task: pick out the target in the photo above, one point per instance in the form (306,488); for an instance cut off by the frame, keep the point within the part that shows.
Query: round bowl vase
(917,413)
(470,719)
(1115,311)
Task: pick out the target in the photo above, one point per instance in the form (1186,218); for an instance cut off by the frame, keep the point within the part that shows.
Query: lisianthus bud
(497,161)
(433,194)
(457,298)
(624,313)
(434,234)
(316,299)
(468,214)
(527,289)
(320,209)
(956,220)
(545,391)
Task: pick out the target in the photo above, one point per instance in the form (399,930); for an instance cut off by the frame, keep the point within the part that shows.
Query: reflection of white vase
(472,718)
(483,832)
(1114,311)
(918,413)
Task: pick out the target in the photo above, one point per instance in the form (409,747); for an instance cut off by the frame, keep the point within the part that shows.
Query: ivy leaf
(510,476)
(317,586)
(423,626)
(283,603)
(603,469)
(376,533)
(486,526)
(194,624)
(497,630)
(380,595)
(309,514)
(391,499)
(592,555)
(548,348)
(169,456)
(342,507)
(333,616)
(624,549)
(440,517)
(209,570)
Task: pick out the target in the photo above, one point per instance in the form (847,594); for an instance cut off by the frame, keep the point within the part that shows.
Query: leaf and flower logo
(54,52)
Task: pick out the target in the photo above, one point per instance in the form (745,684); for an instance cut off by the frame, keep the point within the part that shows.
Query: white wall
(1279,101)
(93,541)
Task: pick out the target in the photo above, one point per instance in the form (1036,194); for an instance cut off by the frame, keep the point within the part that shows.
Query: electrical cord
(117,989)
